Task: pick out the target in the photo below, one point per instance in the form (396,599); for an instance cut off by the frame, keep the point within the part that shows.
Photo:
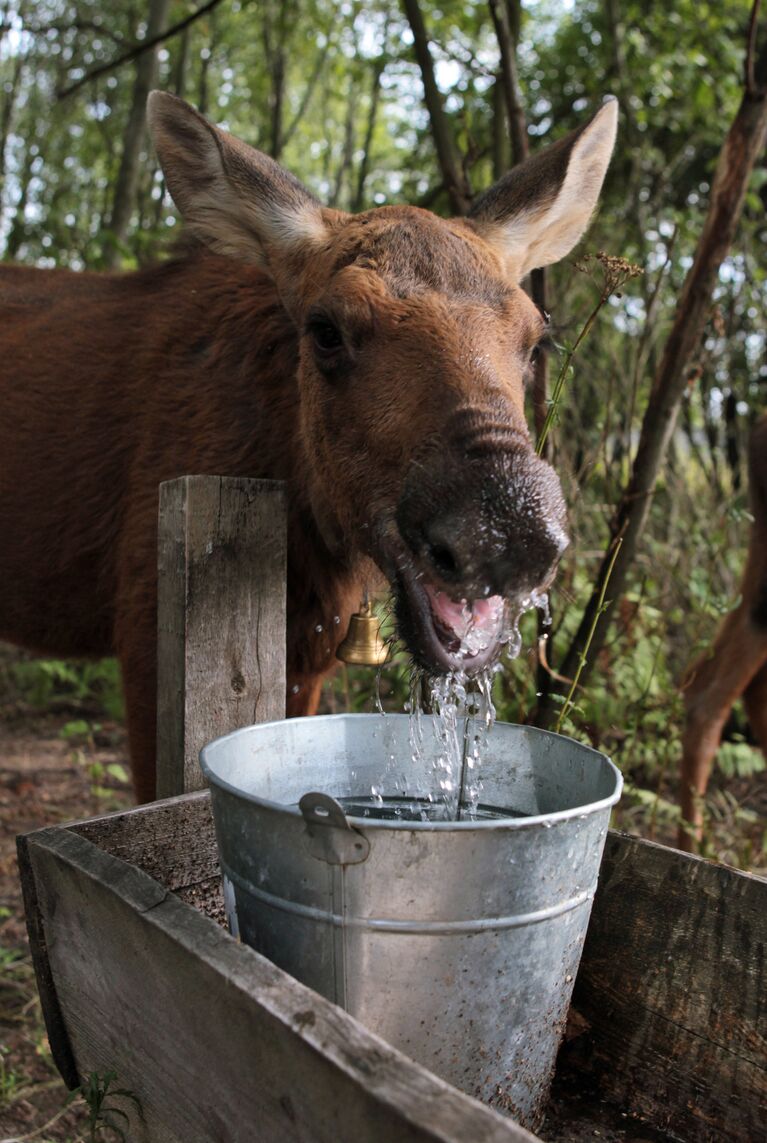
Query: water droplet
(318,628)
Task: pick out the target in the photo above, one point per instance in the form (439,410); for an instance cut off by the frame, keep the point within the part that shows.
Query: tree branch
(138,49)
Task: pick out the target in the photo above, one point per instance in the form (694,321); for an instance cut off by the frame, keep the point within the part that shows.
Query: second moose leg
(735,666)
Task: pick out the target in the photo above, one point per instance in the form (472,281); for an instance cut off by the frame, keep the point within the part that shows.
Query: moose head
(416,342)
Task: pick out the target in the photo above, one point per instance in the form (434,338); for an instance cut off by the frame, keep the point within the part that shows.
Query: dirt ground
(45,779)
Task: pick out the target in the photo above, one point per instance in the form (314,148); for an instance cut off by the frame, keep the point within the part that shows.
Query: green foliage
(80,734)
(105,1120)
(39,681)
(737,759)
(10,1081)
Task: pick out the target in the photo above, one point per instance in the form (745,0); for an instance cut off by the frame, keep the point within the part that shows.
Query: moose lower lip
(432,644)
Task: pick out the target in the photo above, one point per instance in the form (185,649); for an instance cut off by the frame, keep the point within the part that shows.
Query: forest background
(427,103)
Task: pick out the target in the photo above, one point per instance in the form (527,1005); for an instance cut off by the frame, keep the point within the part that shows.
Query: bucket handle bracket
(331,836)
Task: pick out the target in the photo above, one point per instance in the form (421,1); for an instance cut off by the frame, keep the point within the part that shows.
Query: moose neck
(247,359)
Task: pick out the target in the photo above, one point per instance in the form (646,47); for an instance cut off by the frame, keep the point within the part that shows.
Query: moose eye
(536,353)
(325,335)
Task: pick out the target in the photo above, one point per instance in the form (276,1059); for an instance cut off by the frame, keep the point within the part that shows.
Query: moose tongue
(471,626)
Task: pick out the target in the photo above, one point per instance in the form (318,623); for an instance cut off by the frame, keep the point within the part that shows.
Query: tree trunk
(203,98)
(343,173)
(275,38)
(515,112)
(19,227)
(454,178)
(6,117)
(501,148)
(740,151)
(124,201)
(732,442)
(182,59)
(506,15)
(288,131)
(375,96)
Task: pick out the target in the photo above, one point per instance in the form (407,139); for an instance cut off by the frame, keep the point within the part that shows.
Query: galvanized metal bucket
(457,941)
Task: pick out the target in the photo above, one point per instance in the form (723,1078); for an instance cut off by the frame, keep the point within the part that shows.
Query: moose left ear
(538,211)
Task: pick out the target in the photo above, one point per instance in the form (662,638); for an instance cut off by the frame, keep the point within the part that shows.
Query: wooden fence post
(222,564)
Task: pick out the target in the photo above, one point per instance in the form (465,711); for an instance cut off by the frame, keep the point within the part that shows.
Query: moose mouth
(443,634)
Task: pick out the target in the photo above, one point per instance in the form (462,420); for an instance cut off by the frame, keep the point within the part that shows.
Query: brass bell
(363,645)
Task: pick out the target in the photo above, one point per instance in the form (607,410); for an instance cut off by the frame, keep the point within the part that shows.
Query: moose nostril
(443,561)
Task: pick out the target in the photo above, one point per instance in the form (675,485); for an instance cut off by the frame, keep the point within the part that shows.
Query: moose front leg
(139,676)
(733,666)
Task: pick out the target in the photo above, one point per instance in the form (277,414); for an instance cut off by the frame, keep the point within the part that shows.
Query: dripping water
(461,714)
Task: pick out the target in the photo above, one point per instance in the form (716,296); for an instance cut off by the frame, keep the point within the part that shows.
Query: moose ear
(537,212)
(235,199)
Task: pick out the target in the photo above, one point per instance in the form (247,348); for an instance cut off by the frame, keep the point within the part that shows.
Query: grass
(106,1120)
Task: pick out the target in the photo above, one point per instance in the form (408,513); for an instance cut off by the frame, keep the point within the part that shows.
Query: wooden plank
(216,1042)
(222,565)
(173,841)
(58,1037)
(674,984)
(671,980)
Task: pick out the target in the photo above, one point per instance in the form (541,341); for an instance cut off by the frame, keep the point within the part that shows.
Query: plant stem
(584,653)
(559,384)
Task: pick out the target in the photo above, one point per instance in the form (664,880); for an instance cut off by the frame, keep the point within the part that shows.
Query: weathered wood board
(674,983)
(217,1043)
(222,571)
(671,983)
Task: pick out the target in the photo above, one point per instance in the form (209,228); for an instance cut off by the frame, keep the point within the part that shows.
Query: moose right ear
(235,199)
(540,209)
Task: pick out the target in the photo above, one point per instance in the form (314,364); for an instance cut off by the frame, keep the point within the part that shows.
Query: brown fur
(167,380)
(191,367)
(734,667)
(210,364)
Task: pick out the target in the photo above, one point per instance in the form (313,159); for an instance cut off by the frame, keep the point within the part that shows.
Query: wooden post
(222,566)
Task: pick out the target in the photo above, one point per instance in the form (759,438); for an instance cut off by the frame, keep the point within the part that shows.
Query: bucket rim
(588,809)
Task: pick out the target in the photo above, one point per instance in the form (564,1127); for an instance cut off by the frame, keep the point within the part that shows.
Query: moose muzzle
(478,532)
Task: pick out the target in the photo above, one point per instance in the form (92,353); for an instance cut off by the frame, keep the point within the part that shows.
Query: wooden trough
(138,975)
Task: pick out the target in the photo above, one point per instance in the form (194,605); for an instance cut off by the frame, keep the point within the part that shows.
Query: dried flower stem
(583,656)
(615,273)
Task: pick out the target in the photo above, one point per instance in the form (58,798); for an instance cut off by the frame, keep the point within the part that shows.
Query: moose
(375,362)
(734,667)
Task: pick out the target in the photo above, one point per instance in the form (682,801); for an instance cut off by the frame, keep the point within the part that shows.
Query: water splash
(515,609)
(449,702)
(377,696)
(462,715)
(414,706)
(477,732)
